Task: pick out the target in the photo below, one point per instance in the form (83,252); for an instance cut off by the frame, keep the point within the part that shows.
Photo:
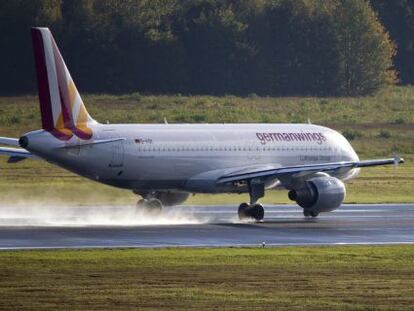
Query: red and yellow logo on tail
(63,111)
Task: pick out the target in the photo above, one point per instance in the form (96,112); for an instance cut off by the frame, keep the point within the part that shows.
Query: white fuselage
(190,157)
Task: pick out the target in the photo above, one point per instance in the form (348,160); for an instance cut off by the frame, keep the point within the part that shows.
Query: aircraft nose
(23,142)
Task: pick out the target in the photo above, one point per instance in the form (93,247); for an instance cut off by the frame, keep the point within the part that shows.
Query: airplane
(165,163)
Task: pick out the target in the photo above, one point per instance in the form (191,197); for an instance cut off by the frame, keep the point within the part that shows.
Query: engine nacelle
(169,198)
(320,194)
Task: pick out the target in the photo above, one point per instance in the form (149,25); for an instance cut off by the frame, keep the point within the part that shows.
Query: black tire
(314,214)
(308,213)
(154,206)
(151,206)
(141,204)
(255,211)
(243,209)
(258,212)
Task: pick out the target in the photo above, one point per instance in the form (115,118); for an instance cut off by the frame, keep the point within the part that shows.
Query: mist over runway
(200,226)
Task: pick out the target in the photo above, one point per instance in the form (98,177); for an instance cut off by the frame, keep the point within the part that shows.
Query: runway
(201,226)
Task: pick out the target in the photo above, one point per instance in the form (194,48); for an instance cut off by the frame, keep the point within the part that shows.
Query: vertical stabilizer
(63,111)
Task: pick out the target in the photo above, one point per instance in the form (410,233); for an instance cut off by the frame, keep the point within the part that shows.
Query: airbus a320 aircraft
(164,163)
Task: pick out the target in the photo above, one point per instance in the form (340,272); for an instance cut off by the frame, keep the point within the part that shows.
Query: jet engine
(319,194)
(169,198)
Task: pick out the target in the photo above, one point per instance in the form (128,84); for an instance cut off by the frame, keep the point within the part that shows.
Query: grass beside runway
(286,278)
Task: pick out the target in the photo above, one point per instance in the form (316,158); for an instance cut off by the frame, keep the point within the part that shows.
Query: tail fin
(62,109)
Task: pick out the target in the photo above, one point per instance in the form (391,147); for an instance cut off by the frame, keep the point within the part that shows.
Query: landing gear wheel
(141,204)
(308,213)
(255,211)
(242,211)
(154,206)
(151,206)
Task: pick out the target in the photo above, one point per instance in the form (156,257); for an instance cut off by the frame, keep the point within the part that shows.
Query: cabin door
(117,159)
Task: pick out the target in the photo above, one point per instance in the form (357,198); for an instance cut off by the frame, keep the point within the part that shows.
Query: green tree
(75,37)
(364,47)
(301,48)
(153,56)
(16,19)
(269,47)
(212,36)
(398,18)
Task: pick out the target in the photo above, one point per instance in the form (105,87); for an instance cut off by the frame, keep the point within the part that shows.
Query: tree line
(241,47)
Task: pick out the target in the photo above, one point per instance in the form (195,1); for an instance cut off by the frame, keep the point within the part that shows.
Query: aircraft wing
(304,170)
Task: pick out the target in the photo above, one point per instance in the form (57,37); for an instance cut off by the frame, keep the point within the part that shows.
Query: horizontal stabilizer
(17,154)
(9,141)
(15,159)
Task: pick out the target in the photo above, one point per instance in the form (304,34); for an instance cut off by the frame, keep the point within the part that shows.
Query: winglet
(398,160)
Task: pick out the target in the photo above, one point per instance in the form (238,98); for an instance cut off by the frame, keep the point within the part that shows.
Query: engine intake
(320,194)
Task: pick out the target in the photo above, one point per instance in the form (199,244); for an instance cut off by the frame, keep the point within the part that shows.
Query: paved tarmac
(208,226)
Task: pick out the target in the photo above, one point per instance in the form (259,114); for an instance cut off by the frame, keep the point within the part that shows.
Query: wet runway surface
(111,227)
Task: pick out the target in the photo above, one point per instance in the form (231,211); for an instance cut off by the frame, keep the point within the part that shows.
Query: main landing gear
(308,213)
(149,206)
(253,210)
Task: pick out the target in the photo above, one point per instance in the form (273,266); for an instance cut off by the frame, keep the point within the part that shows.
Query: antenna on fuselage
(165,120)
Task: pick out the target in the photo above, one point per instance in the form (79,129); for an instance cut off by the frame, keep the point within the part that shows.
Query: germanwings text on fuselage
(290,137)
